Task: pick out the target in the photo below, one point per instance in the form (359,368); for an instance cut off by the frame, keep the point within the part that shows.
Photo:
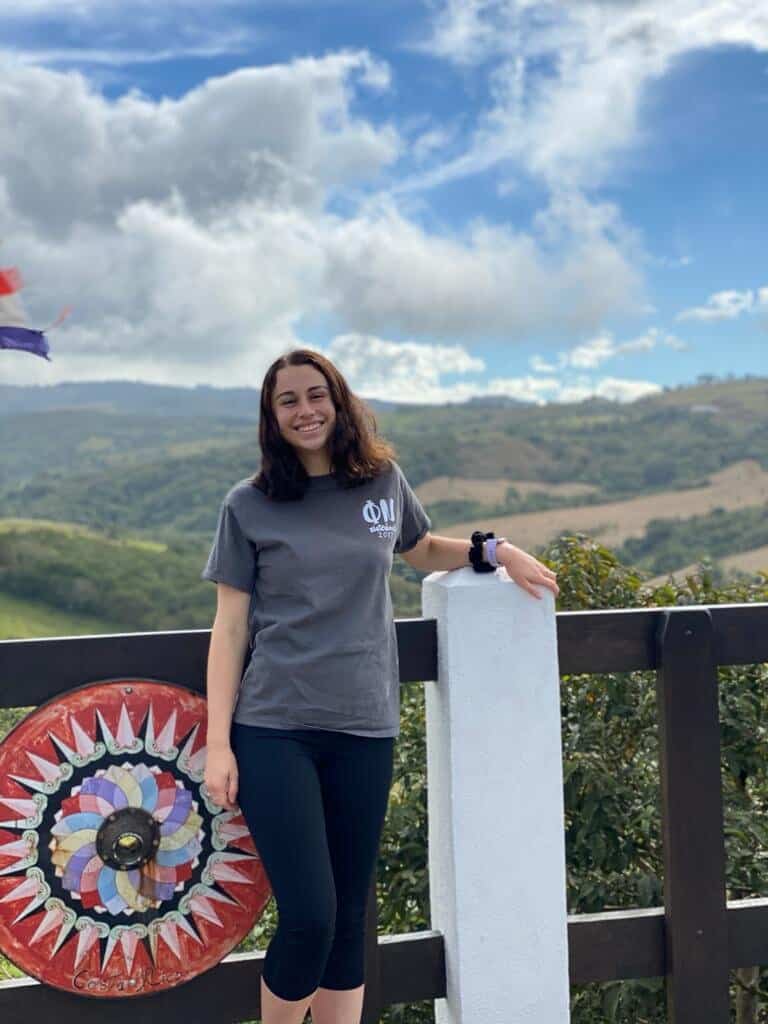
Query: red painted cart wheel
(119,876)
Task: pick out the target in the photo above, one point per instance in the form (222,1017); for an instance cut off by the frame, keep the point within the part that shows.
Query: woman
(305,735)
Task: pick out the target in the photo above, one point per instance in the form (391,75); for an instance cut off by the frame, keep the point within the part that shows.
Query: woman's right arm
(229,642)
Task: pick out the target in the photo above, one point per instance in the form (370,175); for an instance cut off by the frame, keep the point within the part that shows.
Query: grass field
(20,620)
(74,529)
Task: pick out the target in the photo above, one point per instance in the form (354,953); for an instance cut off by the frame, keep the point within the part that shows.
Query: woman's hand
(526,570)
(221,776)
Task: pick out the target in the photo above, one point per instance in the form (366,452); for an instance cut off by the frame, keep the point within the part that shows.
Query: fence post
(692,817)
(495,801)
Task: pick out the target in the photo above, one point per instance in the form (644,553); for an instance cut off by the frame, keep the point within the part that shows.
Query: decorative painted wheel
(119,876)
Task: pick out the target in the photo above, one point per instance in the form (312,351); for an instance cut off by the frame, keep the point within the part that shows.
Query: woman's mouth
(310,428)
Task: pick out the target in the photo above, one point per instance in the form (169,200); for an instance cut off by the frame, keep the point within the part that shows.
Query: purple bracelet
(490,548)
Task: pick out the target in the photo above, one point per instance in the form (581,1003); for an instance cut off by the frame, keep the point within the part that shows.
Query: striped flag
(13,330)
(10,281)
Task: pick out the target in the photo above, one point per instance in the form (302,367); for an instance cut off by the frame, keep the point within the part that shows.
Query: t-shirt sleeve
(414,521)
(233,557)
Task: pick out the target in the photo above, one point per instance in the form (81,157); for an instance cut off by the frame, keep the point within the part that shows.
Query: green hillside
(135,587)
(160,480)
(671,543)
(22,619)
(70,581)
(63,441)
(160,477)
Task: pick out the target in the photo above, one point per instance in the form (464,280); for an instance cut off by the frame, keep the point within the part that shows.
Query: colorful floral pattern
(79,776)
(73,847)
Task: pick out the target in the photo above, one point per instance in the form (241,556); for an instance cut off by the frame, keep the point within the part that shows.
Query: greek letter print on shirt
(323,640)
(381,516)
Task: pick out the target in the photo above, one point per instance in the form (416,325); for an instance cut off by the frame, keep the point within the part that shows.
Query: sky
(449,198)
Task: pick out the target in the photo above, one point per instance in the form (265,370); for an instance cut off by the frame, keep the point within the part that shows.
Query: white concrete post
(495,801)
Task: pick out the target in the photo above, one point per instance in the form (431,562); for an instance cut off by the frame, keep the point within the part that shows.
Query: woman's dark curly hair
(357,452)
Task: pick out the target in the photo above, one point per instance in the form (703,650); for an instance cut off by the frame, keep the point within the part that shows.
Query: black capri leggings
(315,802)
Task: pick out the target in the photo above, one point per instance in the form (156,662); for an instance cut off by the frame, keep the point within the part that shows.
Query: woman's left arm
(434,553)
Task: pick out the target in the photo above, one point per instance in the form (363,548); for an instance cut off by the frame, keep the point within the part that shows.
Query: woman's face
(302,397)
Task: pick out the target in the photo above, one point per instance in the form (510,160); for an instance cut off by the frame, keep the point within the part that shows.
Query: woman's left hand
(526,570)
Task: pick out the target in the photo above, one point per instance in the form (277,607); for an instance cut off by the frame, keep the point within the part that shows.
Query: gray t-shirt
(322,630)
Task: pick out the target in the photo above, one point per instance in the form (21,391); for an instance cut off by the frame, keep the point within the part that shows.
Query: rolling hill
(129,459)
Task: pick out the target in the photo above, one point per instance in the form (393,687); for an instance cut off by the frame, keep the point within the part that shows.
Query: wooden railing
(694,940)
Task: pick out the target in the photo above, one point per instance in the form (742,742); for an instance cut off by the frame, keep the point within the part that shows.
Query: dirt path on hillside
(461,488)
(740,485)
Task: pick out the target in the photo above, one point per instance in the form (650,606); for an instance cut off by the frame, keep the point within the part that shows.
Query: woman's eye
(290,401)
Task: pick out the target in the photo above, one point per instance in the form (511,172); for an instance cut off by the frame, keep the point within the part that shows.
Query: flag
(10,280)
(26,339)
(13,330)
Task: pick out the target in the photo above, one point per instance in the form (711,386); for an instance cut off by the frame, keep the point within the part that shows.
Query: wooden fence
(694,940)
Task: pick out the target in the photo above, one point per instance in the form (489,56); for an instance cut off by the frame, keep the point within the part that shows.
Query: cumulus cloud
(186,233)
(385,272)
(193,236)
(414,373)
(728,305)
(279,134)
(405,370)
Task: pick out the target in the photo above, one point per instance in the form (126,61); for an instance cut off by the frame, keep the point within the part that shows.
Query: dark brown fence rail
(694,940)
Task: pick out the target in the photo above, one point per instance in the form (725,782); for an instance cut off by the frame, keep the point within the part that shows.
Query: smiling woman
(302,556)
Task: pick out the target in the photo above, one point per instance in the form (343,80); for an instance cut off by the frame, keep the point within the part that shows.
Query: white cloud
(386,273)
(187,234)
(404,371)
(672,262)
(192,236)
(463,31)
(727,305)
(215,46)
(568,78)
(279,134)
(430,141)
(617,389)
(590,354)
(412,373)
(540,365)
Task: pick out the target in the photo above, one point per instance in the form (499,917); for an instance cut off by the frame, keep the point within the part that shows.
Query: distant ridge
(494,401)
(123,396)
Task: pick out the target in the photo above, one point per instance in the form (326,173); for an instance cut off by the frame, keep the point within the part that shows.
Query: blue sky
(450,198)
